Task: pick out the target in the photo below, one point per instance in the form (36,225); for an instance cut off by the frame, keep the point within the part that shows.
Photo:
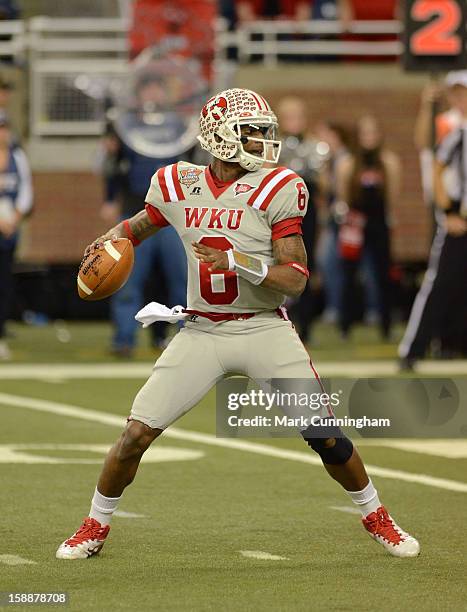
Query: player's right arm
(145,223)
(423,125)
(137,228)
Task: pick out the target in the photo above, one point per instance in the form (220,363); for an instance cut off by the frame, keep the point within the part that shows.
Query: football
(105,271)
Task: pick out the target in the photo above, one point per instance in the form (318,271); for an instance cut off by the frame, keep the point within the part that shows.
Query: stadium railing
(13,40)
(273,39)
(73,61)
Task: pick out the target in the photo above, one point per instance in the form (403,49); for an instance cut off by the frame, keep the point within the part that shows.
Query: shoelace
(87,531)
(383,526)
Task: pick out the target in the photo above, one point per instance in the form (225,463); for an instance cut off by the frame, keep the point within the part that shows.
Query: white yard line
(448,449)
(131,515)
(346,509)
(25,453)
(356,369)
(44,371)
(241,445)
(260,554)
(15,560)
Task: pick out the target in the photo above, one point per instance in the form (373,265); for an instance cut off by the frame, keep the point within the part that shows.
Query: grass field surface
(208,526)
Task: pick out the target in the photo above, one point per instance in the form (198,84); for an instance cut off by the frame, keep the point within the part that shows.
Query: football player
(240,222)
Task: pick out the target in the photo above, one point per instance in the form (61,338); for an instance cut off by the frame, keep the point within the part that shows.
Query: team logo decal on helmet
(221,120)
(217,107)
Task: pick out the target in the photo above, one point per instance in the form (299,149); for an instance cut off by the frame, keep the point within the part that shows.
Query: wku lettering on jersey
(216,218)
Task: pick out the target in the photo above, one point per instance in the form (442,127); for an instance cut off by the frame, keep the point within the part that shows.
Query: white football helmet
(220,124)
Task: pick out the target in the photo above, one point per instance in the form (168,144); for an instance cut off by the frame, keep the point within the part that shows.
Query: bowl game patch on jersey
(188,176)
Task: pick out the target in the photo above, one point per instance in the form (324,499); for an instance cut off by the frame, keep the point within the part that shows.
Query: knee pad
(337,453)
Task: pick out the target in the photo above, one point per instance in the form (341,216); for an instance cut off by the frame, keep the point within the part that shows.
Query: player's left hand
(218,259)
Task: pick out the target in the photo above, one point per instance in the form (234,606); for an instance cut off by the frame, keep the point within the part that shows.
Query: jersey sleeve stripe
(163,184)
(268,185)
(176,182)
(170,183)
(264,182)
(272,189)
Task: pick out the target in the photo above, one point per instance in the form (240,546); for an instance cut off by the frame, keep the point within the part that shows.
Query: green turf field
(200,504)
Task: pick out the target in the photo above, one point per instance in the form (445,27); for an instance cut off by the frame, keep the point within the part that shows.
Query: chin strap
(250,164)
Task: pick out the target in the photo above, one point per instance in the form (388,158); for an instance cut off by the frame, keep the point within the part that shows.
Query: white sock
(367,499)
(103,507)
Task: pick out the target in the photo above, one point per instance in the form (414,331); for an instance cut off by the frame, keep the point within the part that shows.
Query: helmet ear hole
(217,138)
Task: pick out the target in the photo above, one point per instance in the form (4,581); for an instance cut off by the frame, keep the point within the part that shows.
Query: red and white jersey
(245,215)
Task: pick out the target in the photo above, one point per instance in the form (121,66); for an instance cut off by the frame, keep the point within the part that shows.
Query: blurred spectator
(9,10)
(365,10)
(300,10)
(295,10)
(368,183)
(302,154)
(183,29)
(15,204)
(127,178)
(77,8)
(228,11)
(251,10)
(440,308)
(5,93)
(329,9)
(128,172)
(432,126)
(362,10)
(337,138)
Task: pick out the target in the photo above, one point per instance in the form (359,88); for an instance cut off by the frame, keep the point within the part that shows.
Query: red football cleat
(87,541)
(384,530)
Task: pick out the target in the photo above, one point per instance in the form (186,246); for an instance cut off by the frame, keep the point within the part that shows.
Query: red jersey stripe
(274,190)
(163,184)
(178,187)
(262,185)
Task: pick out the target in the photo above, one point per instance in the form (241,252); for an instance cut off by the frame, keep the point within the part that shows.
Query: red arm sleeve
(156,217)
(287,227)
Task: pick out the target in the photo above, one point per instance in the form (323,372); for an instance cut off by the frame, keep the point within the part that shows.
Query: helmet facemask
(270,145)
